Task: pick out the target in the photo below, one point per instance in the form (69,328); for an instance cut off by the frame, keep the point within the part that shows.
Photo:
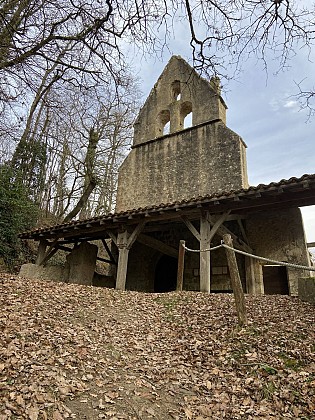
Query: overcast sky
(262,110)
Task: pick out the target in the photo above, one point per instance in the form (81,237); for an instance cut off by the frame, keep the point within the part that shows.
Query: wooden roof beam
(157,245)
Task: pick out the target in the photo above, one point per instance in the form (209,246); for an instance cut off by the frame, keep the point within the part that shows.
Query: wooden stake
(236,282)
(180,269)
(204,256)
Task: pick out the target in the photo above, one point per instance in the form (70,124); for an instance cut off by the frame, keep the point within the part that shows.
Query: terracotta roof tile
(183,203)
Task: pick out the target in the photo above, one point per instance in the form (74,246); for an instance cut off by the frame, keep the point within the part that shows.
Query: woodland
(69,97)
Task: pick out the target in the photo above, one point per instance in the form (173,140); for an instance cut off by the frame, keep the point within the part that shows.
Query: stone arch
(164,122)
(186,115)
(176,90)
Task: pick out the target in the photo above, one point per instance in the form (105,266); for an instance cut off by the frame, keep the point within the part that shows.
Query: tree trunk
(89,181)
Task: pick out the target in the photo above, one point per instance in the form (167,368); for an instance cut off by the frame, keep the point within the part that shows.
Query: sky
(262,109)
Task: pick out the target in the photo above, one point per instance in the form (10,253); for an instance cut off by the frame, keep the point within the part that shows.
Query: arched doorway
(165,274)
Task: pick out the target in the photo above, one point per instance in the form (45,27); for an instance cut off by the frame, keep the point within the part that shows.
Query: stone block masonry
(194,162)
(171,161)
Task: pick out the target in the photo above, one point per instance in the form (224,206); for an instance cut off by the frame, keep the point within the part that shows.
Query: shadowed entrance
(275,280)
(165,274)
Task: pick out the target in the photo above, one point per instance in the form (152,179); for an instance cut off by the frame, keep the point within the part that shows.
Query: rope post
(236,281)
(180,268)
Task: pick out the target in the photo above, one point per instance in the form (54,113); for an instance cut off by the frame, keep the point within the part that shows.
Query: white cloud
(309,223)
(290,104)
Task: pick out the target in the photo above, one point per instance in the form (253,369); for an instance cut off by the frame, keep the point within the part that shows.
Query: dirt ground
(78,352)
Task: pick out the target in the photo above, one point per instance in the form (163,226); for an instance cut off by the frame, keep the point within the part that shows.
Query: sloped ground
(69,351)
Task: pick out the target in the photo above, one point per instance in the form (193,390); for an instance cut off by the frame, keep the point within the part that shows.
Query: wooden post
(180,269)
(122,242)
(236,282)
(204,256)
(41,251)
(125,241)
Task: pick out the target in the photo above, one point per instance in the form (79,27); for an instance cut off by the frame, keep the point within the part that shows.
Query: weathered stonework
(49,272)
(279,235)
(79,268)
(178,91)
(81,262)
(203,159)
(307,289)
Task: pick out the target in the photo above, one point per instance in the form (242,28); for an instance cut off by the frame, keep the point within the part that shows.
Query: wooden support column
(259,278)
(41,251)
(204,256)
(204,237)
(122,244)
(125,241)
(250,275)
(254,276)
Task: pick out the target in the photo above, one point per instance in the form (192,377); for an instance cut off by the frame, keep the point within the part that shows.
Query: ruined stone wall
(49,272)
(279,235)
(194,162)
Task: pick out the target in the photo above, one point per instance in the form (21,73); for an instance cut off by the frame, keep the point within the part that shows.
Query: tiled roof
(305,182)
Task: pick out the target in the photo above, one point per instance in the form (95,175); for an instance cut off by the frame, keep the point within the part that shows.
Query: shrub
(17,213)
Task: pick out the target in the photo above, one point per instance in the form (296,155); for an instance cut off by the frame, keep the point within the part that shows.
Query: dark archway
(165,274)
(275,280)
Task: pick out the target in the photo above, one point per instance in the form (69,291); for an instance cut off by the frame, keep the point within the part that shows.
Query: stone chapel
(185,178)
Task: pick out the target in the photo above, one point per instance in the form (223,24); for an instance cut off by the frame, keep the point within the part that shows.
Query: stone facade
(203,159)
(178,92)
(279,235)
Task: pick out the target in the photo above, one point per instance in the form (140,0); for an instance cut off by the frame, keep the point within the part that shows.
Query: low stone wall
(49,272)
(79,267)
(59,273)
(307,289)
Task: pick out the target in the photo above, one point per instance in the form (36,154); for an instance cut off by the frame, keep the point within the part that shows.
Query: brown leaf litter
(78,352)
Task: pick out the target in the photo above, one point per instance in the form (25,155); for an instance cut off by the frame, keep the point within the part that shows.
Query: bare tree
(54,53)
(85,132)
(222,32)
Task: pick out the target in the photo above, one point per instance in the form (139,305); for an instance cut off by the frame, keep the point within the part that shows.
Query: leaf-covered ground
(69,351)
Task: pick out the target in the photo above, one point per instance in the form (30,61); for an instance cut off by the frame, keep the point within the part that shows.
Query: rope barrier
(301,267)
(202,250)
